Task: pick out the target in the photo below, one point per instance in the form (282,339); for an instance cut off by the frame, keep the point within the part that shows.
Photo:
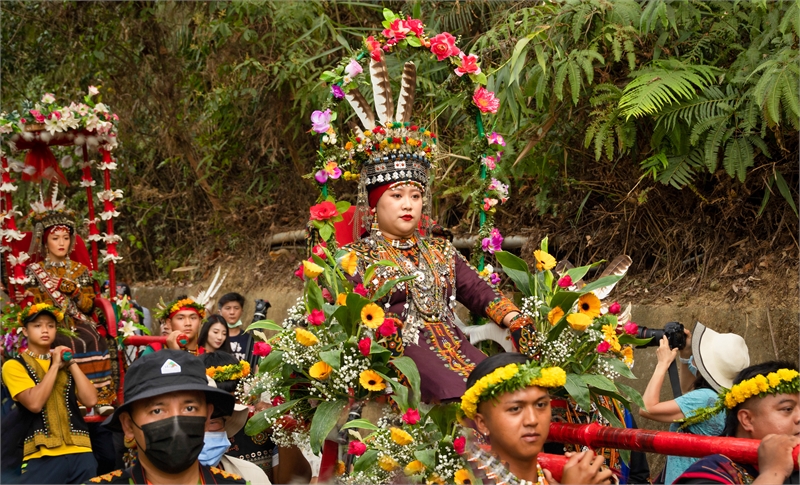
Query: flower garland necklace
(497,471)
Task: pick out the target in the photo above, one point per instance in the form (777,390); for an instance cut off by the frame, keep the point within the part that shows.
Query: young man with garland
(168,403)
(56,446)
(182,316)
(508,399)
(763,404)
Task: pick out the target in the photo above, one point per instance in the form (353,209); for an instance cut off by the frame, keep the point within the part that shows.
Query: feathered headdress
(50,213)
(201,303)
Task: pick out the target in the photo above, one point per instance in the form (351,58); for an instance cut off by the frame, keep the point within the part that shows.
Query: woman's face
(216,335)
(58,243)
(399,210)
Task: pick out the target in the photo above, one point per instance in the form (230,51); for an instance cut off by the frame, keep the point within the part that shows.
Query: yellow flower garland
(229,372)
(761,384)
(510,378)
(34,309)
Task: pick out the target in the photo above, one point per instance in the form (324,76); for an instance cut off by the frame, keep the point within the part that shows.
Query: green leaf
(388,15)
(578,273)
(314,295)
(400,392)
(413,41)
(271,362)
(519,49)
(355,303)
(371,270)
(345,319)
(578,390)
(630,339)
(258,423)
(327,76)
(564,299)
(409,369)
(326,231)
(360,423)
(621,368)
(342,206)
(517,270)
(600,283)
(600,382)
(332,357)
(365,461)
(426,457)
(610,416)
(264,325)
(387,287)
(479,78)
(783,187)
(325,417)
(444,416)
(632,394)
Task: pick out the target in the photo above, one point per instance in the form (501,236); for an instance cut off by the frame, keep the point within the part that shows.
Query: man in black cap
(167,404)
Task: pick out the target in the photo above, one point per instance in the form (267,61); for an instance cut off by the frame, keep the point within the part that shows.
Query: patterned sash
(50,286)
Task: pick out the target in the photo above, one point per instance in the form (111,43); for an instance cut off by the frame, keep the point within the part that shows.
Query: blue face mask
(692,367)
(215,445)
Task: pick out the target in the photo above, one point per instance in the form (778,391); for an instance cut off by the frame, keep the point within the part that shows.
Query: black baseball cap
(164,372)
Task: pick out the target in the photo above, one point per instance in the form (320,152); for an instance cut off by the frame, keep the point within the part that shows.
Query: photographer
(718,358)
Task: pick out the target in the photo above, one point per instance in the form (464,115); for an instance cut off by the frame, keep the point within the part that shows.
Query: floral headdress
(230,372)
(39,307)
(782,381)
(510,378)
(179,305)
(47,214)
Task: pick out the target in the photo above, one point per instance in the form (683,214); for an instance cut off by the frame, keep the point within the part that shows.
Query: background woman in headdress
(68,285)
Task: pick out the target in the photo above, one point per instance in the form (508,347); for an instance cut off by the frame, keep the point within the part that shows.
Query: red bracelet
(520,321)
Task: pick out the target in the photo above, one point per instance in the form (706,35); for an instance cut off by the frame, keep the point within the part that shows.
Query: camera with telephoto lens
(672,330)
(261,310)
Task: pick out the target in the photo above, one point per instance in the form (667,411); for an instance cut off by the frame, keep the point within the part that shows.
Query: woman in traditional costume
(68,285)
(394,203)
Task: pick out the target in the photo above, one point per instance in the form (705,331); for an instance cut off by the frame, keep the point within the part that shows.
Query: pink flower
(331,170)
(387,328)
(37,115)
(415,25)
(364,345)
(565,282)
(488,203)
(397,30)
(56,115)
(262,349)
(460,444)
(496,139)
(356,448)
(411,416)
(374,47)
(353,69)
(318,250)
(444,46)
(469,65)
(485,100)
(494,242)
(299,272)
(278,400)
(490,162)
(323,211)
(23,120)
(360,290)
(93,91)
(631,328)
(603,347)
(337,92)
(327,295)
(614,308)
(494,279)
(321,121)
(317,317)
(115,117)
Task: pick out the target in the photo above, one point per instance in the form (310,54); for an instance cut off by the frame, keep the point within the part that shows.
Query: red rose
(299,272)
(415,25)
(360,290)
(615,308)
(631,328)
(603,347)
(326,295)
(356,448)
(317,317)
(444,46)
(278,400)
(387,328)
(411,416)
(323,211)
(460,444)
(364,345)
(565,282)
(397,30)
(318,251)
(262,349)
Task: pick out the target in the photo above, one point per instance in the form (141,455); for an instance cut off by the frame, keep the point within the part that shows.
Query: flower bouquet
(574,331)
(412,447)
(332,352)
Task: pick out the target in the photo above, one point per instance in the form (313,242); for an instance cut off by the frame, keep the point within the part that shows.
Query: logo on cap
(170,367)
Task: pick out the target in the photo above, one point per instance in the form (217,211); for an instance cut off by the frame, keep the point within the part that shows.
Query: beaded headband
(782,381)
(510,378)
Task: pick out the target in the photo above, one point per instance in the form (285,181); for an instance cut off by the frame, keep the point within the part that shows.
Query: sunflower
(305,337)
(554,315)
(349,263)
(311,270)
(371,381)
(589,305)
(463,477)
(320,371)
(414,468)
(341,299)
(387,463)
(579,321)
(401,437)
(372,315)
(543,260)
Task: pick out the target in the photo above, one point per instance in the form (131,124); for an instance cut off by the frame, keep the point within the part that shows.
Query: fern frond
(714,141)
(712,104)
(738,158)
(681,170)
(665,84)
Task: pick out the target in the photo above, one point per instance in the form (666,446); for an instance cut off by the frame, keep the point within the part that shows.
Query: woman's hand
(664,354)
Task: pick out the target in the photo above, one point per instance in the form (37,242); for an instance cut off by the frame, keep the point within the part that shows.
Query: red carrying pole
(593,435)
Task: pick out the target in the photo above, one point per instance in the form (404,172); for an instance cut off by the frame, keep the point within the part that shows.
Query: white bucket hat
(237,420)
(718,356)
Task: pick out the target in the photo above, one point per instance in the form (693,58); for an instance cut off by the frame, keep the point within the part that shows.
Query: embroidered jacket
(60,421)
(423,308)
(135,475)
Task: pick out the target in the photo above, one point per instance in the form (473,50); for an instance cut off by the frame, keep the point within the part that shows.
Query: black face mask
(173,444)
